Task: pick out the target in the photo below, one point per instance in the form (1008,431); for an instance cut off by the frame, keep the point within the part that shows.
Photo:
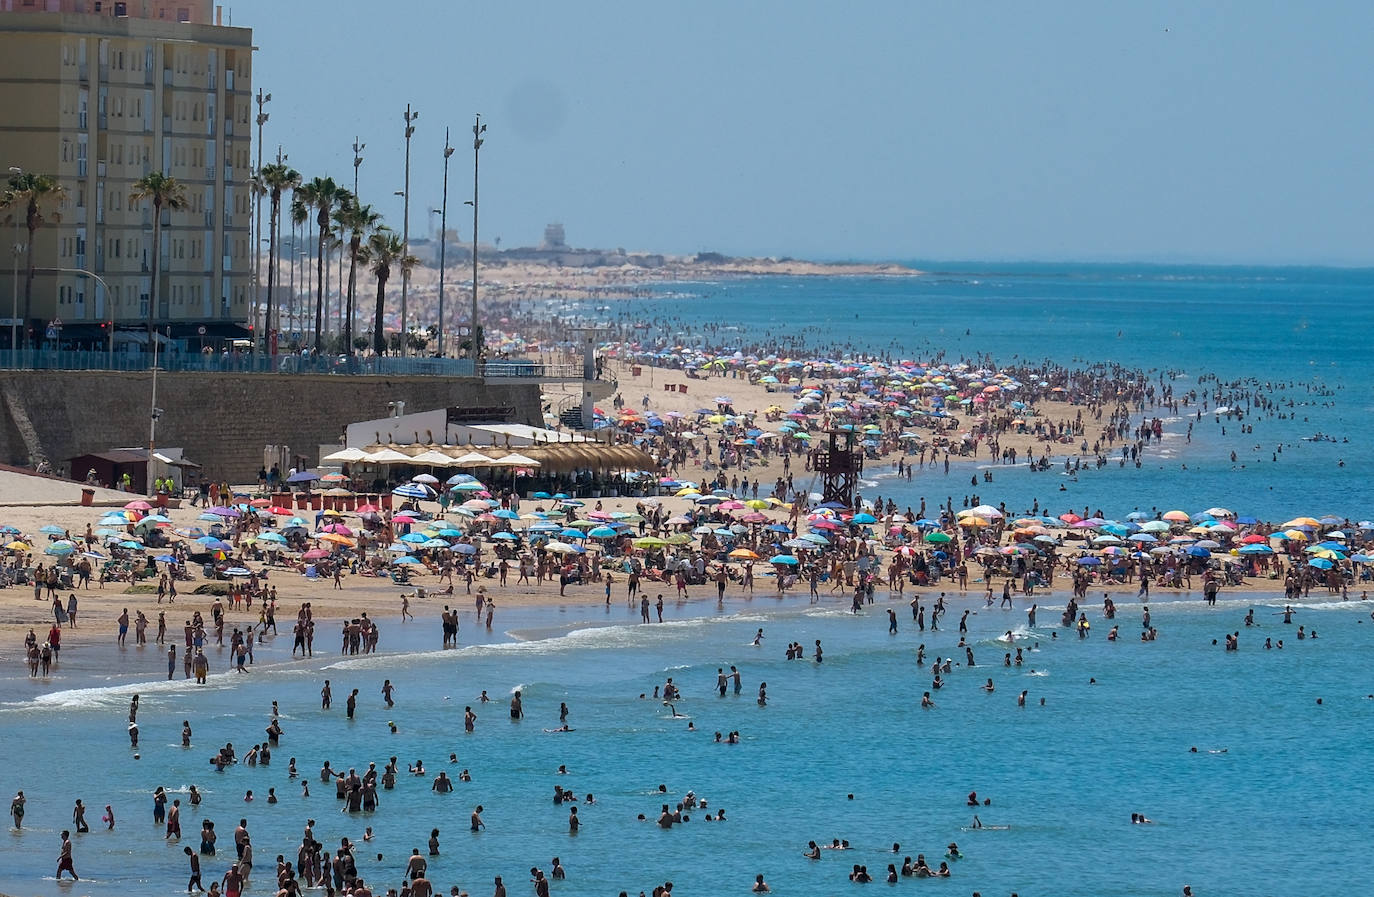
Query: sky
(1210,132)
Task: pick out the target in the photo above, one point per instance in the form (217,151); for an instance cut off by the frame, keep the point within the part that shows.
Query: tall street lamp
(109,319)
(18,249)
(443,240)
(405,230)
(262,100)
(478,129)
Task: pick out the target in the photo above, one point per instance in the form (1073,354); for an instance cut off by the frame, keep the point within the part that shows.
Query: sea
(1271,803)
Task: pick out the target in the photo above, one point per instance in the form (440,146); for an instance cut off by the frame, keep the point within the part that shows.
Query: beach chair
(311,572)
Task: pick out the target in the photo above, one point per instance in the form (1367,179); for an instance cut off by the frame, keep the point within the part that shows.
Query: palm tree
(166,192)
(357,220)
(35,191)
(321,194)
(385,249)
(300,218)
(273,180)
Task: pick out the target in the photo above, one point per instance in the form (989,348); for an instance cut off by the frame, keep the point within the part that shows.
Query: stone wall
(224,421)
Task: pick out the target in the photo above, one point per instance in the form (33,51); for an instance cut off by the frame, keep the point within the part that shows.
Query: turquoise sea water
(1280,812)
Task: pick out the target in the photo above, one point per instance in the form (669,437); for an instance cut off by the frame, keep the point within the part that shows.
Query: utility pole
(405,234)
(443,238)
(154,413)
(478,129)
(275,323)
(262,100)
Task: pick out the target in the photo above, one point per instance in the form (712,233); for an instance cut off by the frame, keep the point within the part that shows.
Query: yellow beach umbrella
(743,554)
(1303,521)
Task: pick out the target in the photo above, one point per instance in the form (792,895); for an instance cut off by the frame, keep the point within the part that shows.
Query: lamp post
(154,413)
(478,129)
(443,241)
(262,100)
(18,248)
(106,287)
(275,228)
(405,230)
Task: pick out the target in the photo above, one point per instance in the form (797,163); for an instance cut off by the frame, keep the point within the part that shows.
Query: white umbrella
(433,458)
(387,456)
(471,459)
(514,459)
(348,455)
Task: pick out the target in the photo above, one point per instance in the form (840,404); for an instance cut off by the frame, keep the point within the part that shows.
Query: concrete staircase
(19,415)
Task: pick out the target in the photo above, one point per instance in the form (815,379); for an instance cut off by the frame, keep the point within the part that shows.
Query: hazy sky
(1162,131)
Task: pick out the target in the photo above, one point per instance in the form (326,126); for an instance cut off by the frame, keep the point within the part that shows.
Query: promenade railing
(247,362)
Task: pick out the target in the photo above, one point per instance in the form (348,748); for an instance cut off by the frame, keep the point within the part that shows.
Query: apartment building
(99,94)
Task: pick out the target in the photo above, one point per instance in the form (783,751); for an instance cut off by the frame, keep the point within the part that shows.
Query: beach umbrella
(1321,563)
(337,539)
(1256,548)
(238,571)
(315,554)
(464,548)
(814,538)
(505,514)
(303,476)
(1176,516)
(786,559)
(277,538)
(427,479)
(413,490)
(53,530)
(1155,526)
(937,537)
(406,559)
(1090,562)
(1197,551)
(505,536)
(138,505)
(863,519)
(1219,512)
(650,542)
(743,554)
(602,532)
(1143,537)
(17,546)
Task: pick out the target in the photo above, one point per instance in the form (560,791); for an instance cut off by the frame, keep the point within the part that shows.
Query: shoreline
(546,618)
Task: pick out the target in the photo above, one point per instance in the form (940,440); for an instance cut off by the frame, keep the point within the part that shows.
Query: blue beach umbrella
(787,559)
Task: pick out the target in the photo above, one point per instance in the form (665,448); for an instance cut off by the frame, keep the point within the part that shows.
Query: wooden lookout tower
(839,464)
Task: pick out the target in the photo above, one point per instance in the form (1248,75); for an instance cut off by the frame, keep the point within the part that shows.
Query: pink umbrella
(338,529)
(315,554)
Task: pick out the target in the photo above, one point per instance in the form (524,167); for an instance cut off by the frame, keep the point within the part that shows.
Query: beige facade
(99,94)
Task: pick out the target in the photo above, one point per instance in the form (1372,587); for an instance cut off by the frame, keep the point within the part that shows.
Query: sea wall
(223,420)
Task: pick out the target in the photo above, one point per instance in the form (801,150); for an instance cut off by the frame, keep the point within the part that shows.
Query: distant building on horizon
(554,237)
(98,94)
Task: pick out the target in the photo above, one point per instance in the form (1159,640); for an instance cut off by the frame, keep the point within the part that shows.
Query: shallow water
(1064,776)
